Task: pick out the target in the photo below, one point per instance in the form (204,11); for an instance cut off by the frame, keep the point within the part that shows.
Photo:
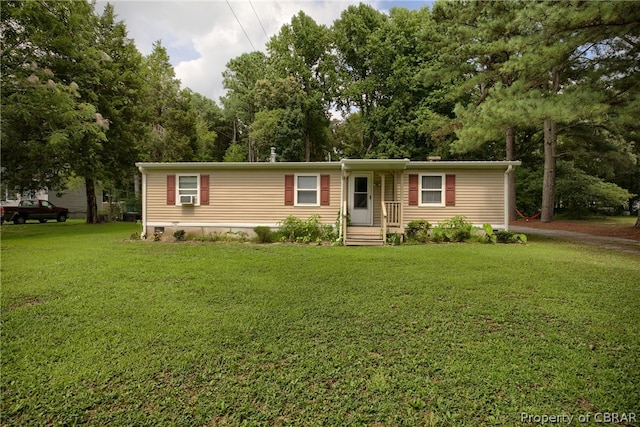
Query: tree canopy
(553,83)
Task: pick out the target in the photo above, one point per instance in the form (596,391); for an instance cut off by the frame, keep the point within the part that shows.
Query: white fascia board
(451,165)
(212,166)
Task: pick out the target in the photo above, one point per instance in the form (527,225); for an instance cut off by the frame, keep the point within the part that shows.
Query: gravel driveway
(613,243)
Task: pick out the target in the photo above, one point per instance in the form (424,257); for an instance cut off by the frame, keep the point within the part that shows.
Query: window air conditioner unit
(187,200)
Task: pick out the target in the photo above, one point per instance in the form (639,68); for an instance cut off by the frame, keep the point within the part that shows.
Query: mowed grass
(98,329)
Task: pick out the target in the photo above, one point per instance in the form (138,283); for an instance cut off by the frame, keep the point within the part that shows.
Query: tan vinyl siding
(479,197)
(238,196)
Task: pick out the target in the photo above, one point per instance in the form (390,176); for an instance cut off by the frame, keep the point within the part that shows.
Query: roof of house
(344,164)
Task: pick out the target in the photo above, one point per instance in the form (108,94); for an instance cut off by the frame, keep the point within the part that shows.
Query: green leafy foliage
(264,234)
(455,229)
(294,229)
(417,230)
(503,236)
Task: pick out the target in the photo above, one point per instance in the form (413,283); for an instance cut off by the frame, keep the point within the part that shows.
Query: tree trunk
(252,154)
(307,147)
(511,143)
(549,179)
(92,204)
(638,220)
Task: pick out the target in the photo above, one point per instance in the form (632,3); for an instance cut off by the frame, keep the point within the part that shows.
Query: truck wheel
(19,220)
(42,221)
(62,217)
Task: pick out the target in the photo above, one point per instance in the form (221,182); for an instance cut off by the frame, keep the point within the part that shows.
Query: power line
(261,26)
(243,30)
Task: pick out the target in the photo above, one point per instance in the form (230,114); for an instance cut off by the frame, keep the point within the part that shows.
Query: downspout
(506,197)
(143,235)
(340,236)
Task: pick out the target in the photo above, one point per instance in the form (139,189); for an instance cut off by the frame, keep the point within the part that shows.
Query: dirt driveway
(612,235)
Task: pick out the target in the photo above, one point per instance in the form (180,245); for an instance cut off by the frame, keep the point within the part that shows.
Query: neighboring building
(13,199)
(374,197)
(75,199)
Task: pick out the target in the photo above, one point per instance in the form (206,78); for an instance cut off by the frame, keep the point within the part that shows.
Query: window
(306,190)
(187,186)
(432,190)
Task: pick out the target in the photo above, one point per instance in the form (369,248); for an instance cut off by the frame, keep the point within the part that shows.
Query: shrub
(418,230)
(394,239)
(179,235)
(456,229)
(503,236)
(264,234)
(293,229)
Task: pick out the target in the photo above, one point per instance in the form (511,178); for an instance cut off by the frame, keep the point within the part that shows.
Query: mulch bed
(598,228)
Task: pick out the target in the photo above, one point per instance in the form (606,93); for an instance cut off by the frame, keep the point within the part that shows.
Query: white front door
(361,198)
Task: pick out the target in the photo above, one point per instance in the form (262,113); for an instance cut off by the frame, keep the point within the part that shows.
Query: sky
(202,36)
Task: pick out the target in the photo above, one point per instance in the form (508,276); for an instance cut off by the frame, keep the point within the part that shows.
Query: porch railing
(392,213)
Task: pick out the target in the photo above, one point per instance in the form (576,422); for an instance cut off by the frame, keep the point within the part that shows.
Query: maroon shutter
(171,189)
(289,184)
(450,190)
(413,190)
(325,185)
(204,189)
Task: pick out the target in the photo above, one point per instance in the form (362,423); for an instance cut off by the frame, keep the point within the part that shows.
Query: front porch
(371,200)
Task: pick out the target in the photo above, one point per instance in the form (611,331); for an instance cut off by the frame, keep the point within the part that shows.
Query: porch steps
(363,236)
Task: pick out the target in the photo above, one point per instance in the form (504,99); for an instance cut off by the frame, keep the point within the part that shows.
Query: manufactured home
(367,198)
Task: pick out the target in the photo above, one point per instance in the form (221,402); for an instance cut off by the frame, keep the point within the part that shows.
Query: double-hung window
(432,190)
(307,190)
(188,190)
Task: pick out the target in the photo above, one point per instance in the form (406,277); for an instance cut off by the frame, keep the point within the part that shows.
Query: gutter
(506,196)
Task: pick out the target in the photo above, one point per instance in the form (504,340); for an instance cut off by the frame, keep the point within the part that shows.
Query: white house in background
(369,197)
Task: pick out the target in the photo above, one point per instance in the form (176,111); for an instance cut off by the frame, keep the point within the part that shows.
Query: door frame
(369,176)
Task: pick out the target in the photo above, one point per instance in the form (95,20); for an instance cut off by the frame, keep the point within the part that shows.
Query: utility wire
(243,30)
(261,26)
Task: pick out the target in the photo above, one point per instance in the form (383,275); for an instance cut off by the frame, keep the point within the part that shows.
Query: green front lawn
(98,329)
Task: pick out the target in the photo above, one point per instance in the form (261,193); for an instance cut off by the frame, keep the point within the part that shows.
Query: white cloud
(202,36)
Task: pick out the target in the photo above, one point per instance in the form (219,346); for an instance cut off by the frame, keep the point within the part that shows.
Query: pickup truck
(38,210)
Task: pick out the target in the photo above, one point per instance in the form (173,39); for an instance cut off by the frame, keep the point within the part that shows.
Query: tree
(279,121)
(172,133)
(239,79)
(355,41)
(116,93)
(551,61)
(70,85)
(301,51)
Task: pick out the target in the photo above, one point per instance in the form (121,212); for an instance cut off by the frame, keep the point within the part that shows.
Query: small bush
(456,229)
(294,229)
(503,236)
(264,234)
(179,235)
(418,230)
(394,239)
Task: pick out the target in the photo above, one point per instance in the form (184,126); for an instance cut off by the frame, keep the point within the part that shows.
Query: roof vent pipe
(273,155)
